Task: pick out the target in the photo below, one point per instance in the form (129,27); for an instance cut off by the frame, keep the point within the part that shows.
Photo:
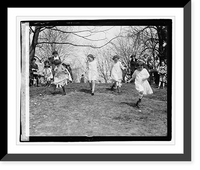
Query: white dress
(140,85)
(92,70)
(48,74)
(116,72)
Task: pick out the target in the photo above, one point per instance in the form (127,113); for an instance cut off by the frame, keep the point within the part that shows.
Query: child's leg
(31,81)
(63,88)
(54,89)
(160,81)
(90,83)
(159,84)
(113,86)
(37,80)
(140,99)
(119,84)
(93,86)
(164,80)
(163,85)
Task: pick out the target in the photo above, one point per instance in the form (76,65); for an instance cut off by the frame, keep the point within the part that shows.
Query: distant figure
(47,72)
(133,63)
(151,70)
(117,73)
(34,79)
(156,75)
(162,71)
(140,76)
(82,80)
(92,72)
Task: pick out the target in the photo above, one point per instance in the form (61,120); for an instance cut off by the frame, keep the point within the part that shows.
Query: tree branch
(88,38)
(148,48)
(78,45)
(80,31)
(84,37)
(32,29)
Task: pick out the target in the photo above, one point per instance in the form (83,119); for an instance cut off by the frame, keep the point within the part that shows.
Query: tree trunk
(161,37)
(34,42)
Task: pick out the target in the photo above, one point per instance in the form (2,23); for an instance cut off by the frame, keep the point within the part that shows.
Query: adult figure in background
(151,70)
(156,75)
(133,63)
(33,72)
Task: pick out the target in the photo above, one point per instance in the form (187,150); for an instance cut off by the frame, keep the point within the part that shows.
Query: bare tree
(123,46)
(39,40)
(151,40)
(104,62)
(45,50)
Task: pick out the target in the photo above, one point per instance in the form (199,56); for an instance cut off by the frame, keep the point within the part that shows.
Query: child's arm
(122,67)
(132,78)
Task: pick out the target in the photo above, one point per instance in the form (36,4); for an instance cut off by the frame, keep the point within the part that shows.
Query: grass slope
(105,114)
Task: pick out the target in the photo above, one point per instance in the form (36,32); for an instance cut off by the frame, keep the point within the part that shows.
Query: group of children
(55,72)
(140,75)
(61,75)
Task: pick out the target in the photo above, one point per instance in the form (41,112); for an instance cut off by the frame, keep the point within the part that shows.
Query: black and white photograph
(96,80)
(98,84)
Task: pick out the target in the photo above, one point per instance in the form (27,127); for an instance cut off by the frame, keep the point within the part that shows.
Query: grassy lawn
(105,114)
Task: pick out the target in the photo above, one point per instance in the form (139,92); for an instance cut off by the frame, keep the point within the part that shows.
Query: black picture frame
(186,156)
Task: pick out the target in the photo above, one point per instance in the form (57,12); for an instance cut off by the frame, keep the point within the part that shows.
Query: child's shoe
(137,103)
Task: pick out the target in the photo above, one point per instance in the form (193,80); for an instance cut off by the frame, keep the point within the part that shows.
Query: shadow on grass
(129,104)
(109,89)
(37,91)
(85,90)
(56,92)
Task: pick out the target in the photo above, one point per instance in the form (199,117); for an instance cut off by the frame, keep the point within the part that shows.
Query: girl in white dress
(116,73)
(140,76)
(92,72)
(48,76)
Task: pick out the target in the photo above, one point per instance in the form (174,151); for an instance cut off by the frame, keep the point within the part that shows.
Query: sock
(63,89)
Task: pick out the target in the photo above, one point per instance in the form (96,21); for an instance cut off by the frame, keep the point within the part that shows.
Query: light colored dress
(140,85)
(162,71)
(47,74)
(116,72)
(92,70)
(61,76)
